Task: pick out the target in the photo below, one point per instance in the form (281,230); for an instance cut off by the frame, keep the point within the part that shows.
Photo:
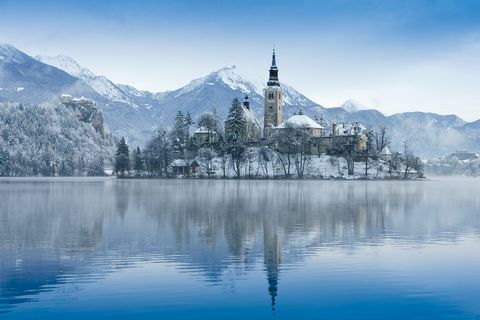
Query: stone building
(204,136)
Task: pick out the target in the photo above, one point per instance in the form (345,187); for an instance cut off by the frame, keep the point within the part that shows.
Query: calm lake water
(178,249)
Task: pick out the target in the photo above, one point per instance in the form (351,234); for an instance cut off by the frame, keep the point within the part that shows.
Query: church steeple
(274,63)
(273,76)
(246,103)
(273,99)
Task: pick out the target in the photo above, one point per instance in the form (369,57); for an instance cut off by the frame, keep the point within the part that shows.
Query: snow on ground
(323,166)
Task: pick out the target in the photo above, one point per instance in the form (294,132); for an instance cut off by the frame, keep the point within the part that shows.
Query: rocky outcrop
(88,111)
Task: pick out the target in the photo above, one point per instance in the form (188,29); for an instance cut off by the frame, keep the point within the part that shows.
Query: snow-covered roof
(300,121)
(386,152)
(203,129)
(345,129)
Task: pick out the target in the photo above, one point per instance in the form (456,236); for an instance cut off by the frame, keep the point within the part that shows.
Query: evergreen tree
(235,133)
(178,136)
(122,158)
(138,162)
(236,124)
(182,145)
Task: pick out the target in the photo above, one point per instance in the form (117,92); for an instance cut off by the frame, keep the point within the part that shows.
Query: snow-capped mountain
(100,84)
(217,90)
(25,79)
(352,105)
(135,114)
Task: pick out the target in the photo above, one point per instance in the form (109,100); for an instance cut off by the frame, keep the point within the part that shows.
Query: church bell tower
(273,100)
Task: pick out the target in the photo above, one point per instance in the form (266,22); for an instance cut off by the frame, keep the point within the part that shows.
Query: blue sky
(397,56)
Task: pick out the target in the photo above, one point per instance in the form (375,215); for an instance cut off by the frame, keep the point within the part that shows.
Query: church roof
(300,121)
(250,117)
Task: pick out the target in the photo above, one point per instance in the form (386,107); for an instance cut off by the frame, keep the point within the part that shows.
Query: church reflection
(206,226)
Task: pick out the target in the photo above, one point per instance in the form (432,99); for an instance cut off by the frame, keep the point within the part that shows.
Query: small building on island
(182,167)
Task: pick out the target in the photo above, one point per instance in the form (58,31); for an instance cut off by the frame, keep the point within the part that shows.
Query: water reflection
(54,232)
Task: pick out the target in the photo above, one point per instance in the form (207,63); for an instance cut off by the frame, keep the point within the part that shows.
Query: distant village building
(464,155)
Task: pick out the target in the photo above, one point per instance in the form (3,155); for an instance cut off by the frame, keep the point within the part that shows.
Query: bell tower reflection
(272,258)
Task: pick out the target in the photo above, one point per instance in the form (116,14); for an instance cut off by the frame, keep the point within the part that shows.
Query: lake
(101,248)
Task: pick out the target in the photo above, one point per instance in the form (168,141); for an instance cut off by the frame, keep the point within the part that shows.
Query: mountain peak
(66,64)
(352,105)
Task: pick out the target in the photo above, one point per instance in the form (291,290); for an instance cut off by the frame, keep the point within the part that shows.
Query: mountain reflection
(52,231)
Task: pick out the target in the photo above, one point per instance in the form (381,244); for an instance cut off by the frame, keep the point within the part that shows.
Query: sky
(394,55)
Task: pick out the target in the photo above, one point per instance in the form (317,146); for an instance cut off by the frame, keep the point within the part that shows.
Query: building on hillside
(273,107)
(203,136)
(321,140)
(345,132)
(302,121)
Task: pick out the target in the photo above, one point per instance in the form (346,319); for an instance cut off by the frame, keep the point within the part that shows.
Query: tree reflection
(84,227)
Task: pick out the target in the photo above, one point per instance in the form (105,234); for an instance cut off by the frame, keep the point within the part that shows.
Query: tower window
(279,95)
(270,95)
(271,108)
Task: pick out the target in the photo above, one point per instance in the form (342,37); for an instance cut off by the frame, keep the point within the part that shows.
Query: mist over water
(150,249)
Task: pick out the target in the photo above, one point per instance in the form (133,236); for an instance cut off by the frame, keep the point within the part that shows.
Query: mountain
(352,105)
(99,84)
(135,113)
(25,79)
(216,91)
(28,80)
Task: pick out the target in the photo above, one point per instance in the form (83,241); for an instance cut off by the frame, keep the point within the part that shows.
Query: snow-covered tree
(235,126)
(212,122)
(52,139)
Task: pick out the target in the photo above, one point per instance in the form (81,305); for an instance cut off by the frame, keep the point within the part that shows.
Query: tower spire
(274,63)
(273,73)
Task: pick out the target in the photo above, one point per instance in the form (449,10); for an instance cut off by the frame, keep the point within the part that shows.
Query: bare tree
(206,155)
(291,145)
(265,157)
(381,138)
(344,146)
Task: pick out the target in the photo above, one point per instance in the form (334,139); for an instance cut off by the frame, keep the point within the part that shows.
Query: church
(321,139)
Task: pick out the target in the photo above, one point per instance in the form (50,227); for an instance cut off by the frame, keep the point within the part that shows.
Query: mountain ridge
(139,112)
